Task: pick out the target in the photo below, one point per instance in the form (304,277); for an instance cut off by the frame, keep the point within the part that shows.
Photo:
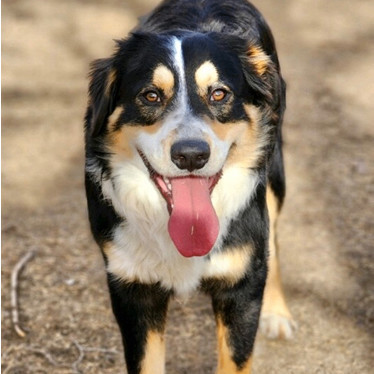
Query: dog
(184,176)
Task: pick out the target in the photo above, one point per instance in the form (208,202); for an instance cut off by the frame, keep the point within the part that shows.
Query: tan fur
(226,365)
(258,59)
(120,142)
(154,359)
(249,146)
(205,76)
(248,138)
(106,248)
(230,265)
(113,118)
(163,78)
(110,80)
(274,300)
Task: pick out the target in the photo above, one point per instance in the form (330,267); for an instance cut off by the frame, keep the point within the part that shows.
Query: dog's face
(182,109)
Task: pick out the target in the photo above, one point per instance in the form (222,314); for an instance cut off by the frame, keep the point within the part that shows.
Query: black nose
(190,154)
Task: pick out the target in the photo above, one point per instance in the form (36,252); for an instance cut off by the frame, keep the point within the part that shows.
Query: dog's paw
(275,326)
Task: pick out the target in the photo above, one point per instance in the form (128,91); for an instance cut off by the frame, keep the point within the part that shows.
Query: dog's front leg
(237,311)
(140,310)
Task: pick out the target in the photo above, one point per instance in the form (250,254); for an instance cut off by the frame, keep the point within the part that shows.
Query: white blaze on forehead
(178,62)
(186,125)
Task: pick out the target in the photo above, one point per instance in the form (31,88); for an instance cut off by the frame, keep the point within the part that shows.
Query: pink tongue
(193,224)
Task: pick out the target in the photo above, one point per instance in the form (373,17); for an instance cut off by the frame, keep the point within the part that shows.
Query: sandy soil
(326,231)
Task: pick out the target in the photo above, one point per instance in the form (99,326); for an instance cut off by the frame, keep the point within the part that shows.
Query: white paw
(275,326)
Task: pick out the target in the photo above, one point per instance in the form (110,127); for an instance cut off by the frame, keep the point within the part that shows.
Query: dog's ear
(267,67)
(262,73)
(102,95)
(260,66)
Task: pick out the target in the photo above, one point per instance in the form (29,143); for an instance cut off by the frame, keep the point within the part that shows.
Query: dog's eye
(218,95)
(152,97)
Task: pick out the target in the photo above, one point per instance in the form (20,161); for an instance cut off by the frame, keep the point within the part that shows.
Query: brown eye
(218,95)
(152,97)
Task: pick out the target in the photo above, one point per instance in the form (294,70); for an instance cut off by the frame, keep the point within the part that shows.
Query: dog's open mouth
(193,224)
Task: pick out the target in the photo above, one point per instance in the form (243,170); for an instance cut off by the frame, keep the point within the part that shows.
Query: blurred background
(326,229)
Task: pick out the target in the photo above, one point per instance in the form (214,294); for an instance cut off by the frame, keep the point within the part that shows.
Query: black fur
(102,216)
(138,308)
(223,31)
(239,306)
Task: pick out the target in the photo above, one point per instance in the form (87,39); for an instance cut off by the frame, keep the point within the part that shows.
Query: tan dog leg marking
(154,359)
(276,319)
(229,266)
(226,365)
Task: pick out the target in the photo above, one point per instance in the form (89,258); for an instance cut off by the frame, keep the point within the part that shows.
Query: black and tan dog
(184,175)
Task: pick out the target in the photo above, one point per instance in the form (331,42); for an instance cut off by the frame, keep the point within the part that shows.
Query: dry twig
(14,290)
(75,365)
(47,356)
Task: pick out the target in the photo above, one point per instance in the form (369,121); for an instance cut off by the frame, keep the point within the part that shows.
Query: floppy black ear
(260,71)
(102,95)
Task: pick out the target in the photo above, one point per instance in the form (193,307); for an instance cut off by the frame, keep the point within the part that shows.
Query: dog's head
(182,108)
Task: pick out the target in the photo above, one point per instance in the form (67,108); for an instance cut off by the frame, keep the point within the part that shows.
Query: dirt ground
(326,230)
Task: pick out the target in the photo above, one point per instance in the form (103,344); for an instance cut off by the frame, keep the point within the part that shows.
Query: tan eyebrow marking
(164,79)
(205,76)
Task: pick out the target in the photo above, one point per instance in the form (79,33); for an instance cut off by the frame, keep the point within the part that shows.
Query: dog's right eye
(152,97)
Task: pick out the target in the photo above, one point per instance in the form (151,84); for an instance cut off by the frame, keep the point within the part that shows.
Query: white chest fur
(142,249)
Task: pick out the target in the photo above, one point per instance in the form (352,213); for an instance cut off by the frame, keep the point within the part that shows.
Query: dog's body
(183,171)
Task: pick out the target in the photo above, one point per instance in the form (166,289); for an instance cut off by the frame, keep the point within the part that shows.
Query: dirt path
(326,231)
